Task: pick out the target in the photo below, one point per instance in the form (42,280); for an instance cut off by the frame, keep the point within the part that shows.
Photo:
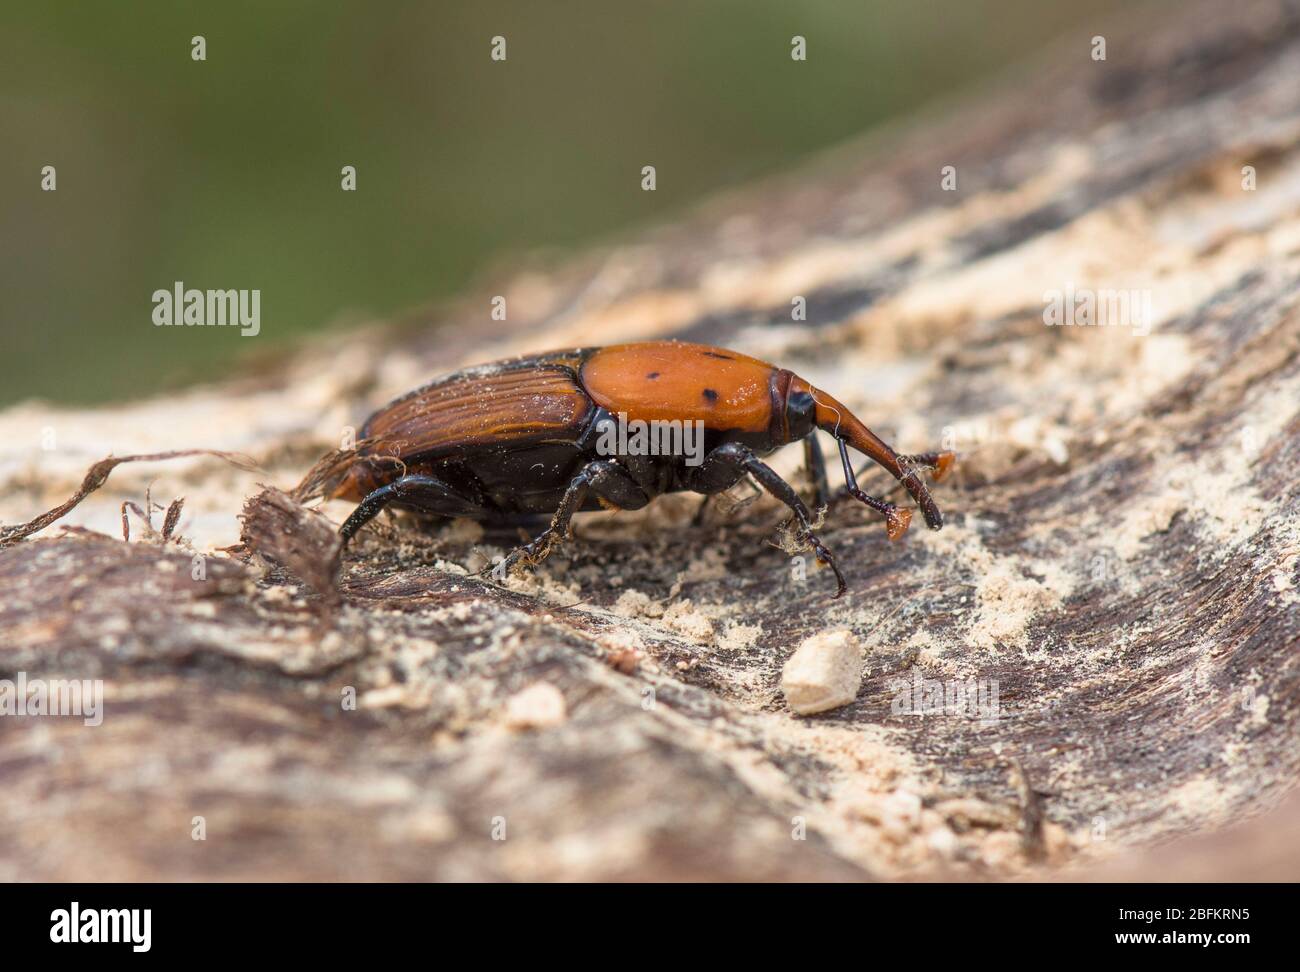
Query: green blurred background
(225,173)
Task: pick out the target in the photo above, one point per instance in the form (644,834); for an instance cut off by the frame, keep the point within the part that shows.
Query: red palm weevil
(518,438)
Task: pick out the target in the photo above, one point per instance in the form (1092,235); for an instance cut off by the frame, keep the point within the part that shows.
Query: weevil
(520,438)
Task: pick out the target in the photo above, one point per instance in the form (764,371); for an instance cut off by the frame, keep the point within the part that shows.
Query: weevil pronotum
(519,438)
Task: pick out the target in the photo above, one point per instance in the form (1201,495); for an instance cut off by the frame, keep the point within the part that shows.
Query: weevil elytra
(519,438)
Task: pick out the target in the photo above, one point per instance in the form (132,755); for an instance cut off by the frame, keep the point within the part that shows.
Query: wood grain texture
(1121,553)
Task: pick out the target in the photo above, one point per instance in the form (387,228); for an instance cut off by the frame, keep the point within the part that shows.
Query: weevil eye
(800,414)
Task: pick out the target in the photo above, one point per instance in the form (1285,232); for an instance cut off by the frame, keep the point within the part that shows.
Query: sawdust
(683,618)
(737,636)
(1009,598)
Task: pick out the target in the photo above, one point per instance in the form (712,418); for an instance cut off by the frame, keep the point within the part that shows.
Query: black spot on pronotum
(720,357)
(653,375)
(710,395)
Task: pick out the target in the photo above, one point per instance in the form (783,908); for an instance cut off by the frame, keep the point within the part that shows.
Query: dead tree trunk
(1121,556)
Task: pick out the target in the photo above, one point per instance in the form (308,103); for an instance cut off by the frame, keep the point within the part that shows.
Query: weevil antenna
(829,407)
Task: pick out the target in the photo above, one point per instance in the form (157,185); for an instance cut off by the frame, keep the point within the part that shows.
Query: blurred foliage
(225,173)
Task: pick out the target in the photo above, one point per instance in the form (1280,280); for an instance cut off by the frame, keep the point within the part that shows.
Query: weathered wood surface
(1122,551)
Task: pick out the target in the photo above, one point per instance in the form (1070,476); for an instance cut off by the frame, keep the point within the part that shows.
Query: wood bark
(1121,556)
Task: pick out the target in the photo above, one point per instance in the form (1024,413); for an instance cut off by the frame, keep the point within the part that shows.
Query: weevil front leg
(725,464)
(607,479)
(897,518)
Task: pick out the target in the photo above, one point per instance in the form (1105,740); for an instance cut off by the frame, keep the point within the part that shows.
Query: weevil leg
(815,463)
(607,479)
(897,518)
(424,493)
(730,460)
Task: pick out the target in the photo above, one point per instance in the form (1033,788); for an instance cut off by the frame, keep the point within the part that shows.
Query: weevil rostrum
(512,440)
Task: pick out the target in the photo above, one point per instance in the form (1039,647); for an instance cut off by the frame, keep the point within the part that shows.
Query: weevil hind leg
(426,494)
(725,464)
(604,477)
